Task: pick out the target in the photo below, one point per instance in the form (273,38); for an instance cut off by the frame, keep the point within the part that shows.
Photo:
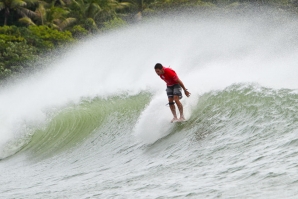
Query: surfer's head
(158,69)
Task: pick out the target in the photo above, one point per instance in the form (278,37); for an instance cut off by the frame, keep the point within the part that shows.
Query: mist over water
(101,109)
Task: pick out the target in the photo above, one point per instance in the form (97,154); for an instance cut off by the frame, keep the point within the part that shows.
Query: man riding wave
(174,85)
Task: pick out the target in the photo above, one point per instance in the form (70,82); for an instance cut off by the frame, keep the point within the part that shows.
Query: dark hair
(158,66)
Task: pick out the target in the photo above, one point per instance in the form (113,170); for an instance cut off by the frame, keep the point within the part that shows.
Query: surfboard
(178,121)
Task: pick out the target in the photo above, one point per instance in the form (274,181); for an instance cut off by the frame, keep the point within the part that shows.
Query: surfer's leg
(173,108)
(180,106)
(177,96)
(170,94)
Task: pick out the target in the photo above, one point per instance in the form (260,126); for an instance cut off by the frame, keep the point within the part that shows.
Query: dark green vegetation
(32,28)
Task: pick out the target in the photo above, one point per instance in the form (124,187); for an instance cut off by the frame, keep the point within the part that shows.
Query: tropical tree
(110,8)
(86,12)
(16,5)
(90,12)
(51,16)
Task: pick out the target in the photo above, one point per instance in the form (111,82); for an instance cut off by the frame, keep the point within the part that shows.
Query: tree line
(31,28)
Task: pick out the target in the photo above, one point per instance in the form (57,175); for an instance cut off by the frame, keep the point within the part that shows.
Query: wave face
(95,124)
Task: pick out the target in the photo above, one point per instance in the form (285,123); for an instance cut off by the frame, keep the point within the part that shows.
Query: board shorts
(174,90)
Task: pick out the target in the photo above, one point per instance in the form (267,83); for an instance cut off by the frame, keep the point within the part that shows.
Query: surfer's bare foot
(174,120)
(182,118)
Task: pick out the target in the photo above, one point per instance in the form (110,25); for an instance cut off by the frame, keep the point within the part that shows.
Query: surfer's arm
(183,87)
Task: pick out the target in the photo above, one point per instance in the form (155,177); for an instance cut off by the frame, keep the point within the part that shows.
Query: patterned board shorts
(174,90)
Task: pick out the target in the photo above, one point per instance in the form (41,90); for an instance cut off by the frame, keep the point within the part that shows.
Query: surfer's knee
(176,98)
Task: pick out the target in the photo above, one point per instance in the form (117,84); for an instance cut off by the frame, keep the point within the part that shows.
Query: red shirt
(169,76)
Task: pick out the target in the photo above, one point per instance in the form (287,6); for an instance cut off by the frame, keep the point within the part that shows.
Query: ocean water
(95,124)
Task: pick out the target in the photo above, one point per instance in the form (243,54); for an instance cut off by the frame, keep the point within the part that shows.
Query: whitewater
(94,123)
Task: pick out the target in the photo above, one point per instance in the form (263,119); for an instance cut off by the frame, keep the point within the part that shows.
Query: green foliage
(12,59)
(10,30)
(205,4)
(114,23)
(21,46)
(10,34)
(90,25)
(155,7)
(78,31)
(51,37)
(11,38)
(91,14)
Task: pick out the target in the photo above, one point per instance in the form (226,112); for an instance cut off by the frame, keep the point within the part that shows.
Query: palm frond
(18,3)
(26,12)
(123,5)
(33,2)
(61,2)
(78,2)
(27,20)
(54,26)
(92,10)
(41,12)
(66,22)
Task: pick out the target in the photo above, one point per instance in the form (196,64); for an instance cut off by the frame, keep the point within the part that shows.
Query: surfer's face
(159,71)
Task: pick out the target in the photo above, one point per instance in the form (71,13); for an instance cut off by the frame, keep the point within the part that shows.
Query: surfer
(174,85)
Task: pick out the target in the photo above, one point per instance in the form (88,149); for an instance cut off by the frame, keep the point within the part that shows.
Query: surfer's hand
(187,93)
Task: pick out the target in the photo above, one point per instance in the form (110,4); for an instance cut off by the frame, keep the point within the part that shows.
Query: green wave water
(72,125)
(240,109)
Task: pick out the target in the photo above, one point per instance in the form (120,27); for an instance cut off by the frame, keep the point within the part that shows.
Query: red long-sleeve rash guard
(169,76)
